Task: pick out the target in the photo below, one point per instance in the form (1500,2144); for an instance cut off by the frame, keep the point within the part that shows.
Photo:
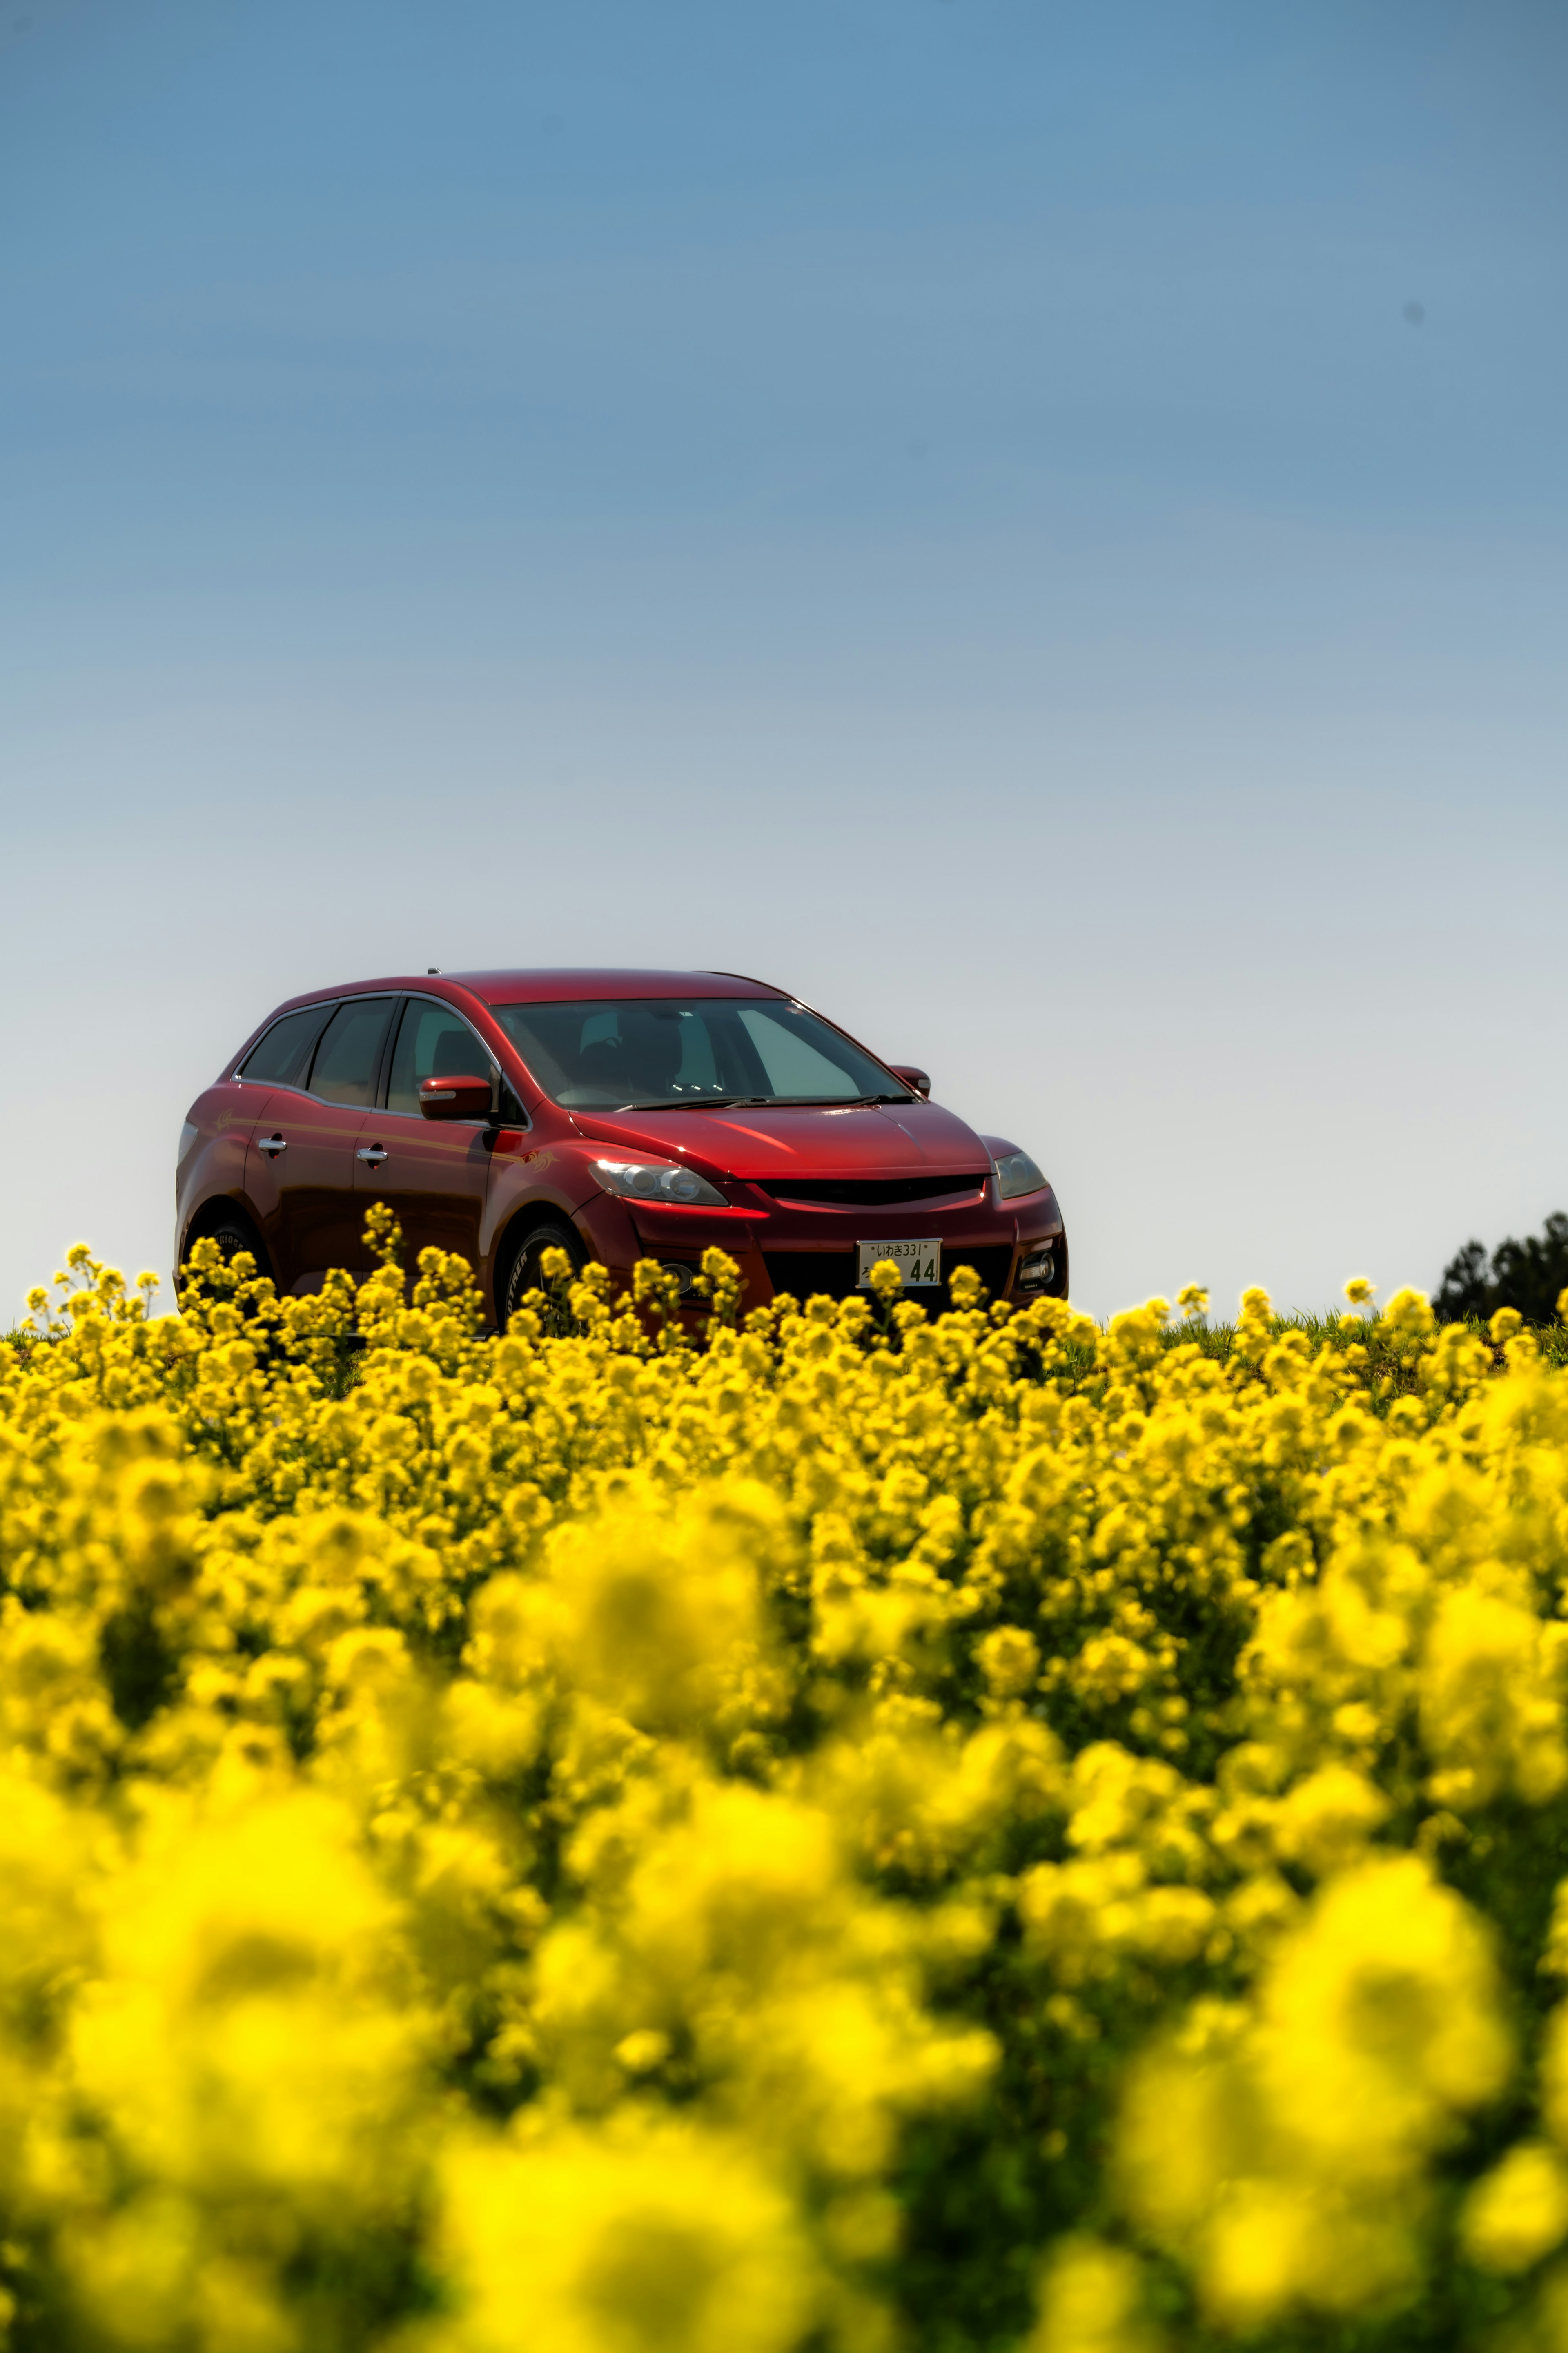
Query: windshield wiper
(696,1102)
(764,1102)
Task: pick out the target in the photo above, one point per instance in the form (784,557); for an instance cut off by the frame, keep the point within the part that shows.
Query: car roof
(567,982)
(549,984)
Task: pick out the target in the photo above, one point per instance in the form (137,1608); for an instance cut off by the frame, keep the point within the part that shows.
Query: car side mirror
(912,1076)
(465,1098)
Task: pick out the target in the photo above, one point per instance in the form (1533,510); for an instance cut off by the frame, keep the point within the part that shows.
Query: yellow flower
(648,2240)
(1090,2302)
(625,1837)
(1519,2212)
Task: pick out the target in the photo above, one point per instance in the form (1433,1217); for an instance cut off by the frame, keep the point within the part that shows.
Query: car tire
(524,1273)
(233,1233)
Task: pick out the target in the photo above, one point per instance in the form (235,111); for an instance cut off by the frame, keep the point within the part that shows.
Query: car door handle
(375,1153)
(274,1145)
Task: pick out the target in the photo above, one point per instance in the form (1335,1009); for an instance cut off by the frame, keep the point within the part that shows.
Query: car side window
(432,1042)
(279,1058)
(349,1055)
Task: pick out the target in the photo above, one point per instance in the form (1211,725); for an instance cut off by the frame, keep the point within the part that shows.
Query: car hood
(764,1143)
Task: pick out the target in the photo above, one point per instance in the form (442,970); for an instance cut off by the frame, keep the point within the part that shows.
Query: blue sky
(1041,529)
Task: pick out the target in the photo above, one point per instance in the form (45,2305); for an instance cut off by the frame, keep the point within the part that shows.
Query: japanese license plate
(919,1262)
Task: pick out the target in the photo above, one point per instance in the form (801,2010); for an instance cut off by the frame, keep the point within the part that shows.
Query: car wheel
(234,1236)
(525,1272)
(233,1233)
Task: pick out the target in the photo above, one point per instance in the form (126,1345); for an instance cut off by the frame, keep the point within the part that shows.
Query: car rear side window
(281,1056)
(432,1042)
(349,1052)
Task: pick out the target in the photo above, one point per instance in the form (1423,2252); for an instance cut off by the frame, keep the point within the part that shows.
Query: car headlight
(658,1180)
(1017,1174)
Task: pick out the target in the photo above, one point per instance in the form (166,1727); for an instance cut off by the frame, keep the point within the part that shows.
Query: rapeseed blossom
(787,1830)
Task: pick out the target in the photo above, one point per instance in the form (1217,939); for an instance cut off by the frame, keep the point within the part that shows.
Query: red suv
(617,1116)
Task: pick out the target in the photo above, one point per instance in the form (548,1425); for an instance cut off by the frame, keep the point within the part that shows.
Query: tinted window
(432,1043)
(665,1050)
(345,1065)
(281,1056)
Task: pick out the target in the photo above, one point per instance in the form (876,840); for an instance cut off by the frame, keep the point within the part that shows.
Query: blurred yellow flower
(799,1837)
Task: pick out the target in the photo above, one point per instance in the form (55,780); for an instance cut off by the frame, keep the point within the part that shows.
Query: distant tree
(1528,1275)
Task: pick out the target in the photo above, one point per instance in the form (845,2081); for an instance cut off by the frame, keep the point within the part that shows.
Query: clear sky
(1039,528)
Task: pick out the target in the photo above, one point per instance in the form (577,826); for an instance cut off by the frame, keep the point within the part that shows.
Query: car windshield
(664,1052)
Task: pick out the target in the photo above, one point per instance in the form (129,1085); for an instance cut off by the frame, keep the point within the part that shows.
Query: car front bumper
(814,1251)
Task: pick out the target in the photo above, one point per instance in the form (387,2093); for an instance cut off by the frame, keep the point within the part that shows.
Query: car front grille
(803,1272)
(873,1193)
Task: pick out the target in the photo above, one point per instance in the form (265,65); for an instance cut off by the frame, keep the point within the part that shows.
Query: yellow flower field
(845,1834)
